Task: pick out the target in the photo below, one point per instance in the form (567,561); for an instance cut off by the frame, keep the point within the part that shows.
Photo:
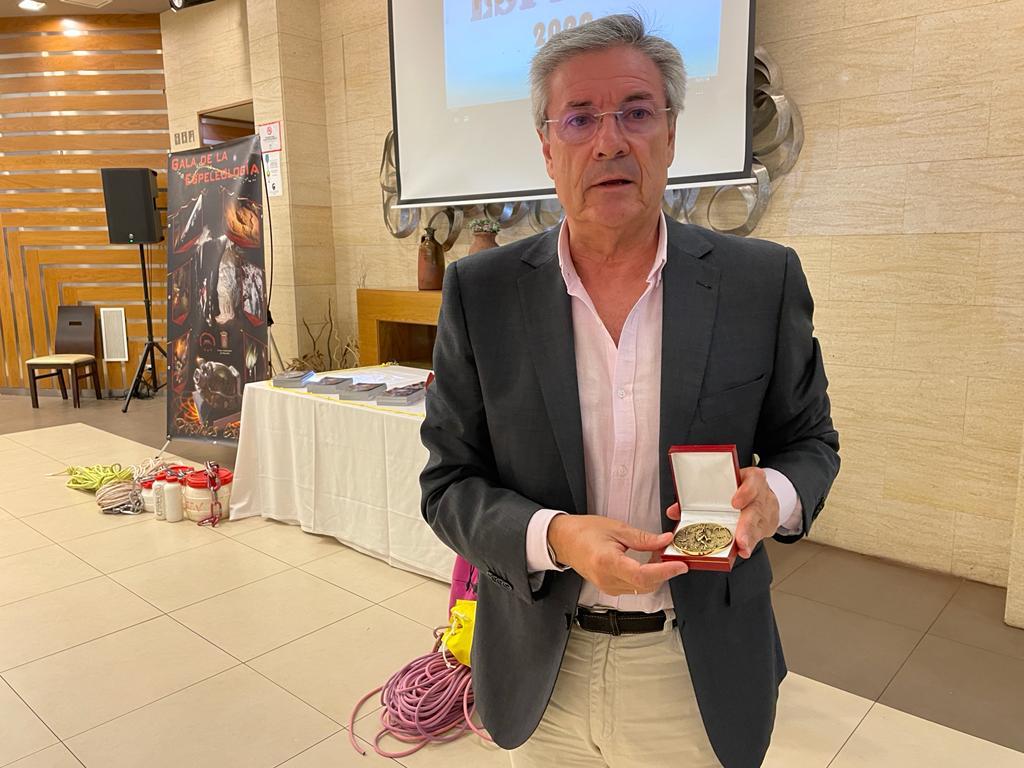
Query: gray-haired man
(566,364)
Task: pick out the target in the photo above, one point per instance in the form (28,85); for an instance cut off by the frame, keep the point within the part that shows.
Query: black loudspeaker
(130,197)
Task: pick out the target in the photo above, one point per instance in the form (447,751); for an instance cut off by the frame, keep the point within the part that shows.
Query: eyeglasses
(579,125)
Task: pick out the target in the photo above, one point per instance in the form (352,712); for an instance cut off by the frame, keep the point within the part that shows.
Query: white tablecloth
(348,470)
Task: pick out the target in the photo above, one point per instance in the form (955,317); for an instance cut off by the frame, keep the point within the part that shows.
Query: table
(342,469)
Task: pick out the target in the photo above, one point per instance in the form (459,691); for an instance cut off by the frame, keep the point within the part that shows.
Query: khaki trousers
(620,702)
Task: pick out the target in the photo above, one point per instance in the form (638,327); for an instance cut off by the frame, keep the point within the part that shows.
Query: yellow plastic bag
(458,638)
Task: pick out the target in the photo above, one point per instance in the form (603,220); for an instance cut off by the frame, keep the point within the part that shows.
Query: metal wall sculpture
(778,138)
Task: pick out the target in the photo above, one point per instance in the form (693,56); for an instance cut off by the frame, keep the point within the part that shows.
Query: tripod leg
(152,356)
(135,382)
(152,366)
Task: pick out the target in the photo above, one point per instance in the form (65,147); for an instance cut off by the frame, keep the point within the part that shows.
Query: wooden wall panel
(148,41)
(53,226)
(62,142)
(101,62)
(66,82)
(84,122)
(33,103)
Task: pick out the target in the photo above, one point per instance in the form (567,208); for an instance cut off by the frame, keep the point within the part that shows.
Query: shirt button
(620,471)
(621,393)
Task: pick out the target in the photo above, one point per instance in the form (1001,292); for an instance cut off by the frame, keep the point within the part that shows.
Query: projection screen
(461,104)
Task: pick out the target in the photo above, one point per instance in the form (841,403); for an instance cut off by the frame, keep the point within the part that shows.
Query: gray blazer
(504,431)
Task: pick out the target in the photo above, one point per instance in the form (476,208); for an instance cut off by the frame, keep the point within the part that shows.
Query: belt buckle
(613,620)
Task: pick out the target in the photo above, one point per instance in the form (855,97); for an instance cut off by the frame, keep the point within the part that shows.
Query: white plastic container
(148,496)
(174,509)
(199,498)
(158,498)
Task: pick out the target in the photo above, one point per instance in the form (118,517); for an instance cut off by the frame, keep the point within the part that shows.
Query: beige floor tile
(131,545)
(24,460)
(40,570)
(17,537)
(178,580)
(44,497)
(34,628)
(889,738)
(87,685)
(259,617)
(427,604)
(21,732)
(813,722)
(333,668)
(234,528)
(126,453)
(92,447)
(67,434)
(6,444)
(79,520)
(337,752)
(56,756)
(289,543)
(236,719)
(469,750)
(4,515)
(366,576)
(29,471)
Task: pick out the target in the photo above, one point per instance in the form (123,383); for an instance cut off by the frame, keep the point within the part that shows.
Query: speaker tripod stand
(148,353)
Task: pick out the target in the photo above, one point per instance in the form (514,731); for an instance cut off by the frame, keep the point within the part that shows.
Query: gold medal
(702,539)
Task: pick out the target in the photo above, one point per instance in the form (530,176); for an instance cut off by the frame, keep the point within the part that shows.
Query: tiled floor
(145,422)
(129,642)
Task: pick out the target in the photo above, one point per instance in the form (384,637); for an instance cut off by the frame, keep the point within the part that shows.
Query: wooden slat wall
(99,104)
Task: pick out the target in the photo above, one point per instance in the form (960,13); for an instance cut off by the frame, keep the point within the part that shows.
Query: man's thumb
(644,541)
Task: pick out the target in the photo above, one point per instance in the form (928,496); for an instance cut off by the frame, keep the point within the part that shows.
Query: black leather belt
(620,622)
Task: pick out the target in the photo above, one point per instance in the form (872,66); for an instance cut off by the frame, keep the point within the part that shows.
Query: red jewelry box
(706,478)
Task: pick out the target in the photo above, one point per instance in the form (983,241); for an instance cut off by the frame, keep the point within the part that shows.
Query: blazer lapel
(547,314)
(690,299)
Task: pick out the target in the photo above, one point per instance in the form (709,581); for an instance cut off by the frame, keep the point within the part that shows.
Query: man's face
(616,176)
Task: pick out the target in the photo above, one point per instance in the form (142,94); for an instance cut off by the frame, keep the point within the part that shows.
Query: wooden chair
(74,351)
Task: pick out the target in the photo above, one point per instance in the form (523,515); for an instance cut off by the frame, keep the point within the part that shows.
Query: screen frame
(705,180)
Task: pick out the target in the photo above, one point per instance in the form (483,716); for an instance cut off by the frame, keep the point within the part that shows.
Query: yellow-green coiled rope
(94,477)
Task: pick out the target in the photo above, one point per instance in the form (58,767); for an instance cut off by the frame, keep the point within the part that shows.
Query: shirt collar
(573,283)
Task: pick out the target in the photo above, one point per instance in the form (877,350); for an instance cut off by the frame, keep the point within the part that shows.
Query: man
(566,365)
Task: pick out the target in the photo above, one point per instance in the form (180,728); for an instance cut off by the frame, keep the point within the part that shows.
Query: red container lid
(147,484)
(200,479)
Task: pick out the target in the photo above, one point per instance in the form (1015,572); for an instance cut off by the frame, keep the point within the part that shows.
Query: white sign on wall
(272,171)
(270,136)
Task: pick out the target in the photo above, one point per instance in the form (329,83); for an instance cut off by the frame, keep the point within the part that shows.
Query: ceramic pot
(430,268)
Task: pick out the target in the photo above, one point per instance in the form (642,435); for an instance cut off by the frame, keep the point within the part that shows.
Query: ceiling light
(31,5)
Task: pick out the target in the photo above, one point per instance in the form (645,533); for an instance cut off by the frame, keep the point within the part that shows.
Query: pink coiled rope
(429,700)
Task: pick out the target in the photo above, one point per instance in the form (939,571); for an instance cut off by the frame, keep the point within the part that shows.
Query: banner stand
(217,330)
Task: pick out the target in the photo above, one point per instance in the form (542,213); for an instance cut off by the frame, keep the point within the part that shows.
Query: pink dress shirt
(619,392)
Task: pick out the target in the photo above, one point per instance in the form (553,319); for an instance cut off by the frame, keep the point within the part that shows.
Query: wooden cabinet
(397,326)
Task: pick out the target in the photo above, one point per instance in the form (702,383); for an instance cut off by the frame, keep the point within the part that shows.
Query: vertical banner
(216,287)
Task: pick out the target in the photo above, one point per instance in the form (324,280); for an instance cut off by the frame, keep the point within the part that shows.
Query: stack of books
(329,385)
(292,379)
(407,395)
(367,391)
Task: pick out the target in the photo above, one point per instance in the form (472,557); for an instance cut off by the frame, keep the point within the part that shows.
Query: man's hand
(595,547)
(758,508)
